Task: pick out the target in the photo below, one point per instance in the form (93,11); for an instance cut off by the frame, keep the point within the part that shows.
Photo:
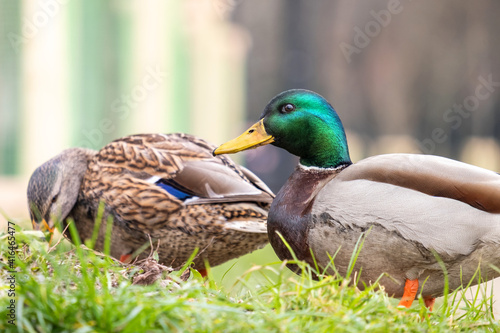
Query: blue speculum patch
(175,189)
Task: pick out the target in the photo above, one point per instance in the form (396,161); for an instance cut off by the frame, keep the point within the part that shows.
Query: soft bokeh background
(405,76)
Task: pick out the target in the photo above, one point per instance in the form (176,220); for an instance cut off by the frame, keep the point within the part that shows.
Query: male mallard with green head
(166,186)
(413,206)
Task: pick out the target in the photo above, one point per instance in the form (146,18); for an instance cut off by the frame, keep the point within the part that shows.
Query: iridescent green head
(303,123)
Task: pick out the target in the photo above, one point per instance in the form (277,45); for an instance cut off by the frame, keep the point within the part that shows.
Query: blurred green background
(404,76)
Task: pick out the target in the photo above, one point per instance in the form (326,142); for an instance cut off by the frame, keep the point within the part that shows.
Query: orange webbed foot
(429,302)
(411,289)
(203,272)
(125,258)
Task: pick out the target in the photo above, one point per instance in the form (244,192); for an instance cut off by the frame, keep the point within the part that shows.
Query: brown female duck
(166,186)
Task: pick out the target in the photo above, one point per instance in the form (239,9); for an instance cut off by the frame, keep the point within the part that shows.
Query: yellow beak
(253,137)
(42,226)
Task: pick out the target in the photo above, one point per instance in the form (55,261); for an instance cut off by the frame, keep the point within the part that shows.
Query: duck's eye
(54,199)
(287,108)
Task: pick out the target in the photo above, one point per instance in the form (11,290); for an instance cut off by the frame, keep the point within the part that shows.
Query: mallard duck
(412,208)
(165,186)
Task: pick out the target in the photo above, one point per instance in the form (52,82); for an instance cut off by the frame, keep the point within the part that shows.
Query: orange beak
(253,137)
(42,226)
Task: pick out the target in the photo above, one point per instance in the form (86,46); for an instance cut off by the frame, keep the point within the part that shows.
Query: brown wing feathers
(120,172)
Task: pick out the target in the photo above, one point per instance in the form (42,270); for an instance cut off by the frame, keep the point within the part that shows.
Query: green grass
(74,289)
